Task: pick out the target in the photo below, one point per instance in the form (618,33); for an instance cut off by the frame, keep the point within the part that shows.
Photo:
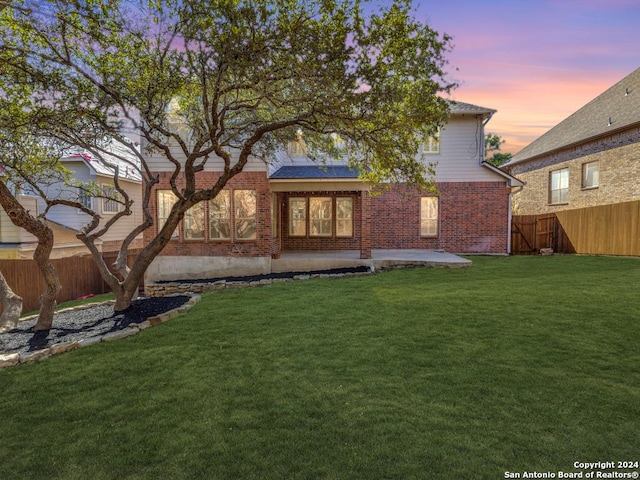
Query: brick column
(365,225)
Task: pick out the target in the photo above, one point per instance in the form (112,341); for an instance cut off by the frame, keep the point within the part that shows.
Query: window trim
(343,197)
(227,218)
(561,201)
(435,219)
(435,139)
(236,237)
(305,200)
(584,175)
(109,190)
(321,219)
(83,194)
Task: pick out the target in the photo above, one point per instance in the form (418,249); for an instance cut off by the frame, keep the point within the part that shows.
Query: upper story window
(110,204)
(431,144)
(85,199)
(591,174)
(298,147)
(559,186)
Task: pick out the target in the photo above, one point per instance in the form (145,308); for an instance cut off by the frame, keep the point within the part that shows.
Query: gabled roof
(616,109)
(462,108)
(128,164)
(314,171)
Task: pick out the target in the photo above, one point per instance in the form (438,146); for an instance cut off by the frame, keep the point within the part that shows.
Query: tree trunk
(48,297)
(11,306)
(38,227)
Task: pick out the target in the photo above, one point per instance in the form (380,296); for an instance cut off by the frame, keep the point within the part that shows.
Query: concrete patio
(307,261)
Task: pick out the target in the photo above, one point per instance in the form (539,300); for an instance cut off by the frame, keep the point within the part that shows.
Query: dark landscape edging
(12,359)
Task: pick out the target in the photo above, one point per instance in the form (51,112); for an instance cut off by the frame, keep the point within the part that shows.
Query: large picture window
(245,209)
(344,217)
(220,216)
(559,186)
(320,216)
(429,216)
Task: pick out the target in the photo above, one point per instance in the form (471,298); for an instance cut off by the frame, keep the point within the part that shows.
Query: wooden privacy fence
(602,230)
(79,276)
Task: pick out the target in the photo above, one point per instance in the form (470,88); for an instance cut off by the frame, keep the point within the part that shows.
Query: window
(590,175)
(85,199)
(220,216)
(320,216)
(298,147)
(432,144)
(344,217)
(297,217)
(245,209)
(275,216)
(429,216)
(111,204)
(559,186)
(193,222)
(166,199)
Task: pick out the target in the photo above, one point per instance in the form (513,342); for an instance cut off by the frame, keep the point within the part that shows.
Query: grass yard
(516,364)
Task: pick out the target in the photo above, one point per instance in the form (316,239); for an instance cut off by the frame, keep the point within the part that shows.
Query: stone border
(181,288)
(12,359)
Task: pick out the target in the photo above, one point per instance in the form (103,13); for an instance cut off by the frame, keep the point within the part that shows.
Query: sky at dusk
(535,61)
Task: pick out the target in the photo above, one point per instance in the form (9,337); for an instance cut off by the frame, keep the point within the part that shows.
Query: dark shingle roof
(314,171)
(462,107)
(615,109)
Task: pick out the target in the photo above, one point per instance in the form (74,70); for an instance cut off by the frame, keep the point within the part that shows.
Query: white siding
(9,233)
(461,151)
(159,163)
(75,219)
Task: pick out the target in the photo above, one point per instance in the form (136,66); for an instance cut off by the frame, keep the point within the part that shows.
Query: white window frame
(220,216)
(559,186)
(346,221)
(429,216)
(160,213)
(250,219)
(109,205)
(84,199)
(296,220)
(431,144)
(590,175)
(318,223)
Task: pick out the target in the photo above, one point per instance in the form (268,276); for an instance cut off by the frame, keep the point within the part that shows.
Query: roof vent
(627,91)
(610,122)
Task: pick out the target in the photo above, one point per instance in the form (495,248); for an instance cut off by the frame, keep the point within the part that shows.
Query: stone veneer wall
(619,164)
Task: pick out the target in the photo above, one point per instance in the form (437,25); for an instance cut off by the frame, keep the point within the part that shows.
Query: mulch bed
(75,325)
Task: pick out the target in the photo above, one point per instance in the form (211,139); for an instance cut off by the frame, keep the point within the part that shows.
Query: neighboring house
(86,167)
(292,204)
(591,158)
(585,171)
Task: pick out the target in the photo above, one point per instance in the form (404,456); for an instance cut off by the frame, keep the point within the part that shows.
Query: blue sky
(536,62)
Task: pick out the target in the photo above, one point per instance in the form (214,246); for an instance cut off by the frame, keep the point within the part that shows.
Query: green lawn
(516,364)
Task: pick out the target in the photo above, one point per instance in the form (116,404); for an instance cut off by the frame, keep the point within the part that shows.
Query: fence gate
(530,233)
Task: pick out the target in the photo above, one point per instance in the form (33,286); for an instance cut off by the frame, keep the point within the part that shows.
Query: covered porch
(308,261)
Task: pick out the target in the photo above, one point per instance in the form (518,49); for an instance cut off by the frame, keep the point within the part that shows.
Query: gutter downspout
(510,215)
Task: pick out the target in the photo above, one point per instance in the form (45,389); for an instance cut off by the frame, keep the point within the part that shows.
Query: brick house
(292,204)
(591,158)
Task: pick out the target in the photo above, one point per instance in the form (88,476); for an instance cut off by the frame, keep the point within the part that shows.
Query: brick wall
(473,218)
(263,244)
(619,163)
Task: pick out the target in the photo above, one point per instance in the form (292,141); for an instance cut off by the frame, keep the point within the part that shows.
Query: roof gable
(128,164)
(616,109)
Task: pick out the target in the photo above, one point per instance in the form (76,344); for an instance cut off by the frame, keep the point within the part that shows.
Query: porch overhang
(317,185)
